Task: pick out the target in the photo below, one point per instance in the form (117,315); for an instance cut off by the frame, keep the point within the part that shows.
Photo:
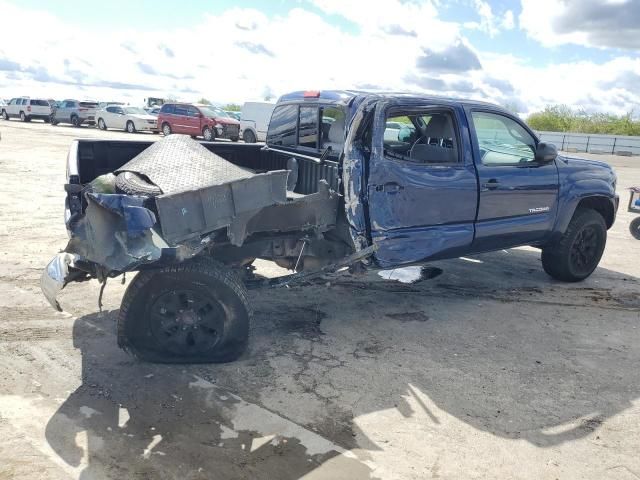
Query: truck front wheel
(194,312)
(577,253)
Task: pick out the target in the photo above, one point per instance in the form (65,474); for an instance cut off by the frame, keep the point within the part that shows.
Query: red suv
(204,121)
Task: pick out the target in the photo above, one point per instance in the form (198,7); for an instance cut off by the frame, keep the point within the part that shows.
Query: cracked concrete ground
(491,370)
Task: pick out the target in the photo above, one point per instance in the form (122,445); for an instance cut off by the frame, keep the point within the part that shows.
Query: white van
(254,121)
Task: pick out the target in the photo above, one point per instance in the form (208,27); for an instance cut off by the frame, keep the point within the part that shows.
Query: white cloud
(508,22)
(592,23)
(490,23)
(404,46)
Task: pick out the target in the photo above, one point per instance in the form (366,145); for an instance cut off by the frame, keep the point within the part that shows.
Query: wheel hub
(584,248)
(186,321)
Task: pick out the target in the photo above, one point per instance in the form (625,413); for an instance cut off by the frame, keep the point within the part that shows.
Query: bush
(561,118)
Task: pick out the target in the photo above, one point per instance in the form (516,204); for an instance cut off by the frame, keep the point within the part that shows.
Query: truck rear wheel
(577,253)
(194,312)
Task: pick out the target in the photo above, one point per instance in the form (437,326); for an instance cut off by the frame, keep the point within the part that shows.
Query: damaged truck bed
(333,186)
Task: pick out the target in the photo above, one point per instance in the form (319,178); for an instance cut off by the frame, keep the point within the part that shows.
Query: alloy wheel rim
(186,320)
(584,249)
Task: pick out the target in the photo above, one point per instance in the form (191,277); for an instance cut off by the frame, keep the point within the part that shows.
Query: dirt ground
(491,370)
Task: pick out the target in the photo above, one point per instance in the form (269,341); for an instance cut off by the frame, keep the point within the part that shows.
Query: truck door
(422,185)
(518,196)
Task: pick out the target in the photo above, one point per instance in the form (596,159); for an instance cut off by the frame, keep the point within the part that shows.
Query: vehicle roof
(346,96)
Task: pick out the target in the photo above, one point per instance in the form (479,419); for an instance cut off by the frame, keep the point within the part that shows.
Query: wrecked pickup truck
(345,179)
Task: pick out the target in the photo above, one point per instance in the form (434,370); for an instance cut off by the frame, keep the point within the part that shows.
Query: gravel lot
(491,370)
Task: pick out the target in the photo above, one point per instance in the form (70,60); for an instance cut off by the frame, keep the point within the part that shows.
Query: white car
(27,109)
(131,119)
(254,121)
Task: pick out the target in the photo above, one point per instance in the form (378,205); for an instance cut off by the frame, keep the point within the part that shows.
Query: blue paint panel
(429,208)
(414,245)
(520,190)
(581,178)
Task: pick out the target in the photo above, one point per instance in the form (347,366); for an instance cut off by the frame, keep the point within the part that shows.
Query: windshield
(135,111)
(213,112)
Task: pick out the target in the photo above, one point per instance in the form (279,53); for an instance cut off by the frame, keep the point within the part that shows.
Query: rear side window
(308,129)
(180,110)
(40,103)
(70,104)
(426,137)
(167,108)
(282,127)
(24,101)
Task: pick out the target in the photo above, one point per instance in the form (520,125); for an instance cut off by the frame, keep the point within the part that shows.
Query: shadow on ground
(494,343)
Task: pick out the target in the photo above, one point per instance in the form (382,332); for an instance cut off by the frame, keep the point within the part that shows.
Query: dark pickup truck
(346,178)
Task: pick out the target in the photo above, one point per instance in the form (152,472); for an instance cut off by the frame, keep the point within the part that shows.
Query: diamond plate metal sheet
(178,163)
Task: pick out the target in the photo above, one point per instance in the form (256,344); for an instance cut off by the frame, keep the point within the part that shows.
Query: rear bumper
(39,116)
(56,276)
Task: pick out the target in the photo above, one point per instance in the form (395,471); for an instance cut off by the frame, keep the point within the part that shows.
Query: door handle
(491,184)
(392,187)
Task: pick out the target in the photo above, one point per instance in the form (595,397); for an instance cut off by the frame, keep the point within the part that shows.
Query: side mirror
(546,152)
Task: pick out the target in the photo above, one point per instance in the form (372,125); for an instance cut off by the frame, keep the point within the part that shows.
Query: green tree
(204,101)
(561,118)
(232,107)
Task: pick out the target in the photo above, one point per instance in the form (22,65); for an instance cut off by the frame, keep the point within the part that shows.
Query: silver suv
(75,112)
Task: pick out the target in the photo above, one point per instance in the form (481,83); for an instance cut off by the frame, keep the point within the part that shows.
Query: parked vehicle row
(196,120)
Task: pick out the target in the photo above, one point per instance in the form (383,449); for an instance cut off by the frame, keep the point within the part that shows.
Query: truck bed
(97,157)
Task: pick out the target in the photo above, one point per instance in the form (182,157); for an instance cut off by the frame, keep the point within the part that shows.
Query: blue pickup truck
(346,178)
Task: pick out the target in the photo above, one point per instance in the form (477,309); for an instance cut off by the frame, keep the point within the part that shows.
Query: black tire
(133,184)
(5,116)
(207,134)
(194,312)
(248,136)
(101,124)
(166,129)
(235,139)
(75,121)
(577,253)
(23,117)
(634,228)
(130,127)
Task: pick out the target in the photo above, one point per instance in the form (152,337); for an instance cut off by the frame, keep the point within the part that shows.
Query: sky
(524,54)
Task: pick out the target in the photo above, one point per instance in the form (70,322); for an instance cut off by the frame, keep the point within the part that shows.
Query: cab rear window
(282,127)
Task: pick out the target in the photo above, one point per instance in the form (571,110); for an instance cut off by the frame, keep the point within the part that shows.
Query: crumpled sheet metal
(198,212)
(54,277)
(115,233)
(177,163)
